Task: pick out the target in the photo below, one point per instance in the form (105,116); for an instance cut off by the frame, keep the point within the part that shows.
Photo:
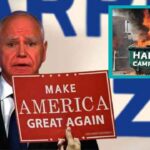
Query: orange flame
(146,23)
(141,43)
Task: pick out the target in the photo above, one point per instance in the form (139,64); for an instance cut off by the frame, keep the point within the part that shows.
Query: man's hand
(72,143)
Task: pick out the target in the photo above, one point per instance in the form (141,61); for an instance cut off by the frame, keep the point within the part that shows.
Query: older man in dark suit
(22,51)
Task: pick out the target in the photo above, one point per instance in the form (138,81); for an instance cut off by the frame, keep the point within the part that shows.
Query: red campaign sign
(46,104)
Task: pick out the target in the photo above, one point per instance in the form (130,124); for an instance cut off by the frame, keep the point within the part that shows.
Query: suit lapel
(3,138)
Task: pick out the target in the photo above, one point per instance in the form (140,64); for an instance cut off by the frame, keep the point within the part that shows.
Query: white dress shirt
(7,102)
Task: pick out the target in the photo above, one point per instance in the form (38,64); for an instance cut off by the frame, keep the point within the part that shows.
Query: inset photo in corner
(129,41)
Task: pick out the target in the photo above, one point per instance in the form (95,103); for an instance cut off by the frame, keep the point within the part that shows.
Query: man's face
(22,49)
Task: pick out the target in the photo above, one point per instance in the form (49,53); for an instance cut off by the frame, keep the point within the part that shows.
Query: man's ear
(44,51)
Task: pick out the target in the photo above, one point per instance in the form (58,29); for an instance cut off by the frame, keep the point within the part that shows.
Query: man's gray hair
(22,13)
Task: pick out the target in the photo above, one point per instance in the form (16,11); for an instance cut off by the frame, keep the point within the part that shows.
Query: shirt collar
(6,89)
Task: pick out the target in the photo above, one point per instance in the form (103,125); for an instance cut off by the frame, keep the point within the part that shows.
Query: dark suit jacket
(85,145)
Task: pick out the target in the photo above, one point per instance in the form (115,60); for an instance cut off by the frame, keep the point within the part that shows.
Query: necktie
(13,135)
